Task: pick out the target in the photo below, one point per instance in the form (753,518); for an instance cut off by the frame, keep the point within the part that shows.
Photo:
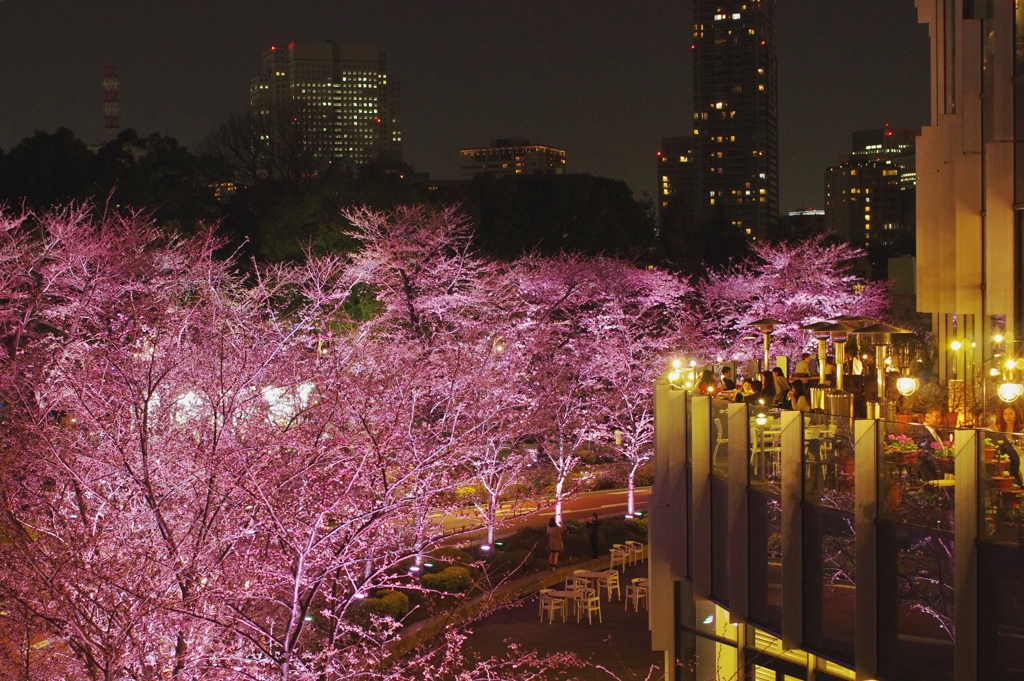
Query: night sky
(604,79)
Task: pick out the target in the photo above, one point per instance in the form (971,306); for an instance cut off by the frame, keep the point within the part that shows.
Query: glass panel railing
(765,559)
(830,588)
(765,445)
(1000,496)
(720,438)
(1001,599)
(916,483)
(829,461)
(916,626)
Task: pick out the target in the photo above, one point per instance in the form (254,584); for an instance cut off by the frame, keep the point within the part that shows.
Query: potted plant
(902,447)
(944,460)
(1002,483)
(990,450)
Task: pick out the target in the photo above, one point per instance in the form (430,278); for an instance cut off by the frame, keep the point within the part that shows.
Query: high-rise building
(678,172)
(735,92)
(870,196)
(341,98)
(511,157)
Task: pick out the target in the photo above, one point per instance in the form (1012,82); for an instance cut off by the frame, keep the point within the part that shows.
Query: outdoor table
(601,578)
(574,596)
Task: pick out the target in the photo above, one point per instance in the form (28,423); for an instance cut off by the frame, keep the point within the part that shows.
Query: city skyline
(604,82)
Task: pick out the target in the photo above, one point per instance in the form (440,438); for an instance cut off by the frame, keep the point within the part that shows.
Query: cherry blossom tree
(202,477)
(637,329)
(797,284)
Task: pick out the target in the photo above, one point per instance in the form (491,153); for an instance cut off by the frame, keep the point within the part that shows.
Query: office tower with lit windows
(870,196)
(514,156)
(735,93)
(341,98)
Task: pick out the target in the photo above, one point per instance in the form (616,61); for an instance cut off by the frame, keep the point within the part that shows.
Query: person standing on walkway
(592,531)
(554,543)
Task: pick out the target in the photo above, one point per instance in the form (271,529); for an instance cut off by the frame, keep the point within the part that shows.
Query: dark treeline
(277,215)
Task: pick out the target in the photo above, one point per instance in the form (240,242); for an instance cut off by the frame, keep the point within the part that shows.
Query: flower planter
(990,454)
(846,466)
(945,466)
(1002,483)
(906,458)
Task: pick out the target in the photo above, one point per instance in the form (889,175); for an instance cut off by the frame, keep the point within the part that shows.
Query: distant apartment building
(341,99)
(678,173)
(870,196)
(511,157)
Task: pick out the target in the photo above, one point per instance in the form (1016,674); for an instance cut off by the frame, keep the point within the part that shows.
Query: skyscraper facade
(735,112)
(870,196)
(341,99)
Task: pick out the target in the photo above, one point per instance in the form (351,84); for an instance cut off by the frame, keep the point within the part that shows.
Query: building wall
(968,236)
(511,157)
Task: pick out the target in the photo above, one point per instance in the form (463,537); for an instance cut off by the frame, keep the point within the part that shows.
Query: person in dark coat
(555,544)
(592,530)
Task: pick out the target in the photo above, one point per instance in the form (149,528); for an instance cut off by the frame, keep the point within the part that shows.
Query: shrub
(450,580)
(388,603)
(507,561)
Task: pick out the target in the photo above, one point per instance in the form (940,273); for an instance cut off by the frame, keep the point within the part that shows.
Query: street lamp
(766,326)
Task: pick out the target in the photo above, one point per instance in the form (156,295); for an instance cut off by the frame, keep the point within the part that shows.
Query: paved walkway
(622,643)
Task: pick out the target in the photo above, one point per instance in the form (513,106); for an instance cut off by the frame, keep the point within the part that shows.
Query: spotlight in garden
(485,547)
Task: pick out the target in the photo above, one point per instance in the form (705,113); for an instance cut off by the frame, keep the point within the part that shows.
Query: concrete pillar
(965,556)
(792,528)
(866,560)
(667,516)
(700,506)
(739,518)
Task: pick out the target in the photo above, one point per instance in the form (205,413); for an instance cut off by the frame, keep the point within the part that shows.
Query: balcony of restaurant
(797,545)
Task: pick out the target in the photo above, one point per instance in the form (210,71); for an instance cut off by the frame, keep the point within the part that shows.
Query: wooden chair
(590,605)
(613,583)
(635,593)
(618,558)
(550,606)
(637,550)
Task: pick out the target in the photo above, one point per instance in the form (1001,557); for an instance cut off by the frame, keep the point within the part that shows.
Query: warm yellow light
(1010,363)
(677,364)
(998,338)
(673,377)
(993,372)
(956,345)
(888,361)
(1008,392)
(906,385)
(693,363)
(761,419)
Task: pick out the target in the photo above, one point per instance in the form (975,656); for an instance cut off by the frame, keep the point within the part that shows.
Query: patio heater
(839,332)
(766,326)
(818,393)
(880,335)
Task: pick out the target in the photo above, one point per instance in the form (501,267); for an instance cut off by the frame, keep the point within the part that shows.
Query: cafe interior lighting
(906,385)
(1009,392)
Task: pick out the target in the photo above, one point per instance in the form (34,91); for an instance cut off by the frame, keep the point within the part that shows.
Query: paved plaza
(621,643)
